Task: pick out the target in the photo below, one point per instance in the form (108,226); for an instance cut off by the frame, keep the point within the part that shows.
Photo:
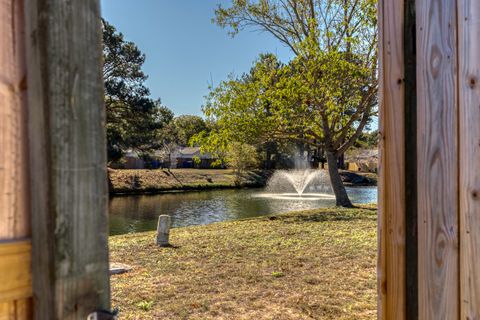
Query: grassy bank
(152,181)
(317,264)
(155,181)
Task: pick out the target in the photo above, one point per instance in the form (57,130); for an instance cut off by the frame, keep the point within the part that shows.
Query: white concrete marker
(163,230)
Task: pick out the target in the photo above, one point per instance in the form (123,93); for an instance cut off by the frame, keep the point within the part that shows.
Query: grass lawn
(317,264)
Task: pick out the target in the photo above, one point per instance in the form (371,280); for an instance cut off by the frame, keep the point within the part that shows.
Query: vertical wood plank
(391,223)
(437,160)
(17,310)
(24,309)
(14,217)
(14,213)
(469,156)
(7,310)
(68,159)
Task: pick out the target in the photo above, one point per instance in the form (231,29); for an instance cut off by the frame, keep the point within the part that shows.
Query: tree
(187,126)
(238,109)
(168,137)
(327,94)
(367,140)
(133,118)
(240,157)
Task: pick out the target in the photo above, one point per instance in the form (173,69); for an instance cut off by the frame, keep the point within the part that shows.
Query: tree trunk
(341,161)
(341,195)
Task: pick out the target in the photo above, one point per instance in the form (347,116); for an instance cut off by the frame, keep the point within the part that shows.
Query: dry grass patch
(317,264)
(141,181)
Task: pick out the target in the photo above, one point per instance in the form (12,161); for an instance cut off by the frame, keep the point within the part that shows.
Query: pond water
(130,214)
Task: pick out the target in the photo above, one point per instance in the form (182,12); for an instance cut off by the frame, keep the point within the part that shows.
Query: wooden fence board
(469,156)
(437,159)
(15,270)
(391,230)
(13,156)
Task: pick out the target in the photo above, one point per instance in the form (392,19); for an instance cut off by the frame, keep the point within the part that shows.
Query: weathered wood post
(68,175)
(163,230)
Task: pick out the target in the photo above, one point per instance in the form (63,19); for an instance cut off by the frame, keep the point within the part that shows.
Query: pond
(130,214)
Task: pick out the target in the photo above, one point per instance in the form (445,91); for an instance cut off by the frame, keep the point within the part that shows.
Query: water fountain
(301,184)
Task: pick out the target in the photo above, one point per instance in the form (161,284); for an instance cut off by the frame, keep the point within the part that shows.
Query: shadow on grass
(168,246)
(327,215)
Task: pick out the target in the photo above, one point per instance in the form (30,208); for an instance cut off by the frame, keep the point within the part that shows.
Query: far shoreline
(126,182)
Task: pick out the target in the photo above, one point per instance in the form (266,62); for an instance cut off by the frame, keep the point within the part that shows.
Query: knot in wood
(475,194)
(472,82)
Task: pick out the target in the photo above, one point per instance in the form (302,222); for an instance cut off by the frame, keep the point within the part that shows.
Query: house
(133,161)
(178,157)
(130,160)
(191,157)
(362,160)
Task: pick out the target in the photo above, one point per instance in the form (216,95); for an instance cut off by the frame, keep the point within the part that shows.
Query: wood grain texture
(469,156)
(17,310)
(437,160)
(68,159)
(14,217)
(14,207)
(15,270)
(391,223)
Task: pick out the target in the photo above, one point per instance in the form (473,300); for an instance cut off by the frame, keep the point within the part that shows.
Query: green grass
(317,264)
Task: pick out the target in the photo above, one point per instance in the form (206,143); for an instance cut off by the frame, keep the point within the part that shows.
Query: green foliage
(318,98)
(277,274)
(133,118)
(324,97)
(187,126)
(238,110)
(145,305)
(367,140)
(240,157)
(327,93)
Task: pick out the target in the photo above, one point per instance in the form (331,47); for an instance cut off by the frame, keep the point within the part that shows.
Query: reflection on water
(139,213)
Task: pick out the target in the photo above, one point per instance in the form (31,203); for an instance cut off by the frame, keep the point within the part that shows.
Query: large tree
(327,94)
(186,126)
(133,118)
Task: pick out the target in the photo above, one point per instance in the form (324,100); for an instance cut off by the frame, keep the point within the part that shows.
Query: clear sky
(184,50)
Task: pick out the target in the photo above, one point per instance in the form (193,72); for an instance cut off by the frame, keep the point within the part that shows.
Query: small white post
(163,230)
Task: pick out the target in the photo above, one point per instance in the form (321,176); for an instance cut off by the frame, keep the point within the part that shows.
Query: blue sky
(184,50)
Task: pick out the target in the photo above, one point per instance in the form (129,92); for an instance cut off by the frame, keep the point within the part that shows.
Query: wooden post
(15,248)
(67,159)
(163,230)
